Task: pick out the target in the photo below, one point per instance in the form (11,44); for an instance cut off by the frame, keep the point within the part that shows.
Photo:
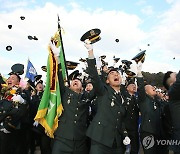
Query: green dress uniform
(106,129)
(70,136)
(132,119)
(151,121)
(174,107)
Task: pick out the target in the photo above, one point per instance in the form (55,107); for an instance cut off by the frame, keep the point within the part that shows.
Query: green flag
(50,107)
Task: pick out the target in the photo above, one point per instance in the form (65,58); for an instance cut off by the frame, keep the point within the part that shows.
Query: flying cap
(116,59)
(22,17)
(9,26)
(9,48)
(92,35)
(130,73)
(140,56)
(32,37)
(117,40)
(71,65)
(82,60)
(44,68)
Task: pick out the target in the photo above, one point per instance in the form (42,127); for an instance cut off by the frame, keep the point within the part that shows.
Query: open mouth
(116,79)
(9,83)
(75,84)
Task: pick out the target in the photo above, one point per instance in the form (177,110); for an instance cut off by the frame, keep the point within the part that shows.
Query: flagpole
(59,28)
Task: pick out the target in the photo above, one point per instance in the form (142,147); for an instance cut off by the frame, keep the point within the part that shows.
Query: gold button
(99,122)
(76,115)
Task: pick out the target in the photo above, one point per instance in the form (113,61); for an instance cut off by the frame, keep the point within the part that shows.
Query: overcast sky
(135,23)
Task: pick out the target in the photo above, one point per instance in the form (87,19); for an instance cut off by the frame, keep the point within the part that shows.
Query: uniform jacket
(132,110)
(73,121)
(11,116)
(150,111)
(106,127)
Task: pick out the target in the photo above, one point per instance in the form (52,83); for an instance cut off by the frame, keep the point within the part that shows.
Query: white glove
(36,123)
(139,66)
(18,98)
(54,49)
(139,69)
(88,45)
(126,140)
(5,130)
(123,76)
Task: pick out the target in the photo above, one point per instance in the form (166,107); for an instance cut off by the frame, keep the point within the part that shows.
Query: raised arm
(98,85)
(140,82)
(141,90)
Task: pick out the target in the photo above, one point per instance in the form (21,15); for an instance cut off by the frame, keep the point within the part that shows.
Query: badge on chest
(69,98)
(112,102)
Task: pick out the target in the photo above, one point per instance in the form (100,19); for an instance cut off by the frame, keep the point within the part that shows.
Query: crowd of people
(105,114)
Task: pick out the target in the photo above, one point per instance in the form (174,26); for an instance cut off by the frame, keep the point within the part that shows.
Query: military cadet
(70,136)
(132,114)
(92,104)
(166,117)
(92,109)
(171,82)
(151,123)
(38,136)
(16,99)
(88,87)
(105,130)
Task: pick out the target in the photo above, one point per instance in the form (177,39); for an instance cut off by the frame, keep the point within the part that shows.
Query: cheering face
(76,86)
(39,87)
(89,87)
(12,81)
(150,90)
(131,88)
(114,79)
